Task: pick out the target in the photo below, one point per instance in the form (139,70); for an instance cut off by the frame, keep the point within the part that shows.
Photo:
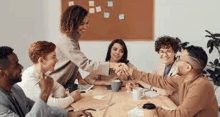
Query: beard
(16,80)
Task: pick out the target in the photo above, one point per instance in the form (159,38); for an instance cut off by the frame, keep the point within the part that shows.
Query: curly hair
(166,42)
(4,52)
(40,49)
(71,19)
(125,55)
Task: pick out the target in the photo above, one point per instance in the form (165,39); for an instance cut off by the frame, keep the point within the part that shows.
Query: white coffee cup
(137,93)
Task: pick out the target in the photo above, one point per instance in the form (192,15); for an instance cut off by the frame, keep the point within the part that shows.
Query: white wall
(186,19)
(21,23)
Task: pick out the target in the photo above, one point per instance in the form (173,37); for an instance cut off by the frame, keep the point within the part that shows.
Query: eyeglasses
(178,59)
(165,52)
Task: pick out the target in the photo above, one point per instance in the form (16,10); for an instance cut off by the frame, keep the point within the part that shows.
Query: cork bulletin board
(111,19)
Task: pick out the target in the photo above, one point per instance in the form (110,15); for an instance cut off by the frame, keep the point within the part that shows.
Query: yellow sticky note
(98,9)
(71,3)
(91,10)
(91,3)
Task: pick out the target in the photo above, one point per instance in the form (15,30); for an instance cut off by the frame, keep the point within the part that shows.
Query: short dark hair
(4,52)
(71,19)
(125,55)
(166,41)
(199,54)
(40,49)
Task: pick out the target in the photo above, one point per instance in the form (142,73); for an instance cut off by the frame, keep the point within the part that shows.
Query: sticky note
(121,16)
(106,15)
(91,10)
(110,4)
(98,9)
(71,3)
(91,3)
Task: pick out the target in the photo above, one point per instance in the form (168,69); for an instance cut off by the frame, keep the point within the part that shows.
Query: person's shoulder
(28,71)
(16,88)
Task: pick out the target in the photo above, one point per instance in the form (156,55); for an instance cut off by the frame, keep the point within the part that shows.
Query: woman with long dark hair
(117,52)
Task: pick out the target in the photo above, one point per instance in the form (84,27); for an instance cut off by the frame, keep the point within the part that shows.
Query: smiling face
(83,26)
(167,55)
(183,65)
(14,70)
(117,52)
(49,62)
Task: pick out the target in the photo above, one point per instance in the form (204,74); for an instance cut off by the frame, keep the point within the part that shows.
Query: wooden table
(123,102)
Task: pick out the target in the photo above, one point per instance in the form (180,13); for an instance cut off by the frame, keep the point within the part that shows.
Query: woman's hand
(46,85)
(82,113)
(76,95)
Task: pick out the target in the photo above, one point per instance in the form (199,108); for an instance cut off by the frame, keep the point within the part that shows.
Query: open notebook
(84,87)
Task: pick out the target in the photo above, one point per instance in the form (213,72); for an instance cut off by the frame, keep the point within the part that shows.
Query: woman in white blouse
(43,56)
(73,25)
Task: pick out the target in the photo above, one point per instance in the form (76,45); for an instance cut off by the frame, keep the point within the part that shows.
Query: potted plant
(213,68)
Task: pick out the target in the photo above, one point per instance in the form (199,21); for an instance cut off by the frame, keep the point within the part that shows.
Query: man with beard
(196,94)
(13,102)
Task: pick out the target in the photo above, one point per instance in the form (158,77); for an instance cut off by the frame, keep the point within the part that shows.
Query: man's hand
(82,113)
(131,85)
(121,69)
(76,95)
(46,85)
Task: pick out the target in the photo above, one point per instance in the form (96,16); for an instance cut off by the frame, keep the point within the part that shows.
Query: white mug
(137,93)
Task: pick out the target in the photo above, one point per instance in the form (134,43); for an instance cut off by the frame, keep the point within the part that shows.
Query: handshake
(121,69)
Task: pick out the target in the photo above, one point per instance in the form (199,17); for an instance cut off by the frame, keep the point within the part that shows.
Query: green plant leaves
(216,61)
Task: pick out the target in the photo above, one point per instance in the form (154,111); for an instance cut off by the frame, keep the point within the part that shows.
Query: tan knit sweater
(196,97)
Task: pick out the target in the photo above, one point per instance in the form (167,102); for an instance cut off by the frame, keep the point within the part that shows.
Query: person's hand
(46,85)
(76,95)
(131,85)
(121,68)
(82,113)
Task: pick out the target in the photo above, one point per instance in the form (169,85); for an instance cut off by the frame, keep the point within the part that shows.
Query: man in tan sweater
(196,94)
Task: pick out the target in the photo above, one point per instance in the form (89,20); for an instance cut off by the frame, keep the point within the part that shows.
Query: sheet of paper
(151,94)
(98,9)
(110,4)
(136,112)
(71,3)
(91,3)
(121,16)
(106,14)
(91,10)
(98,97)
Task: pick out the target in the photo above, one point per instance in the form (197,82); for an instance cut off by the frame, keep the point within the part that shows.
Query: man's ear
(189,67)
(2,73)
(40,60)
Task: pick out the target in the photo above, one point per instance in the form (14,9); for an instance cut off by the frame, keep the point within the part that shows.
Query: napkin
(136,112)
(151,94)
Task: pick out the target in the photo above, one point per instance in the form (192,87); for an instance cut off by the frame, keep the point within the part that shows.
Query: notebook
(85,87)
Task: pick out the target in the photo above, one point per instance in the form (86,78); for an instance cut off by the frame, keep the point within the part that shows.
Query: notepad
(84,87)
